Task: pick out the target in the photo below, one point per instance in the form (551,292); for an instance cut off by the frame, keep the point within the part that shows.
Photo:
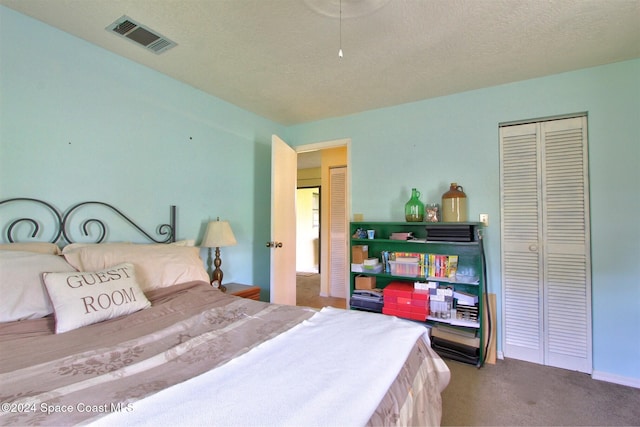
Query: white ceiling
(309,159)
(279,58)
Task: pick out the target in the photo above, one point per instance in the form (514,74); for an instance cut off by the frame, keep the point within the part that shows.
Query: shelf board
(427,279)
(450,280)
(416,241)
(423,223)
(456,322)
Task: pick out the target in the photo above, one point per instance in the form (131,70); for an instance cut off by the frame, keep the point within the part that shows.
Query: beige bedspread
(81,375)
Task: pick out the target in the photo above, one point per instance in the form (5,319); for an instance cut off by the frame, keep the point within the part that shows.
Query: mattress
(200,356)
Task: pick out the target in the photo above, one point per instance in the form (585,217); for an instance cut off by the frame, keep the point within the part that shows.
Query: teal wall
(77,122)
(80,123)
(431,143)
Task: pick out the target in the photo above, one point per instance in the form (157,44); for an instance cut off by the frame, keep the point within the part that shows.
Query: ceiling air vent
(138,33)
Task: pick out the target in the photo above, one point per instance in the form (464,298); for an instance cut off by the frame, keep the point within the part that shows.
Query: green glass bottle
(414,209)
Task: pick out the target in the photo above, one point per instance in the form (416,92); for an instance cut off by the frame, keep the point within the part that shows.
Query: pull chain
(340,55)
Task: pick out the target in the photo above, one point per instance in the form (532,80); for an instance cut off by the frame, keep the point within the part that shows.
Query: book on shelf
(444,266)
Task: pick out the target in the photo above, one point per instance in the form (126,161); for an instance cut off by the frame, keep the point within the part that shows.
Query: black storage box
(450,233)
(456,351)
(367,301)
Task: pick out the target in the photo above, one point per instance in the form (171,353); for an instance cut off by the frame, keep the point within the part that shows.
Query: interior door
(567,248)
(522,268)
(282,245)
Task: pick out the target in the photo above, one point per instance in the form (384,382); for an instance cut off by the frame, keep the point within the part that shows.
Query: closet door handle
(533,248)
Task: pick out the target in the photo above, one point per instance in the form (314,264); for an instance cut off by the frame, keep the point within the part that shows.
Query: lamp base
(218,286)
(216,276)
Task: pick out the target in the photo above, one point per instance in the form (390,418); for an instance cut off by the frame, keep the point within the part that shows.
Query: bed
(126,333)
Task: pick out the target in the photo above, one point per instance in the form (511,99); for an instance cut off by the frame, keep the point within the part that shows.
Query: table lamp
(218,235)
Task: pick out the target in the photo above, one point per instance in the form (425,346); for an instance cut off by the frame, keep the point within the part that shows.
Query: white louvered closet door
(338,232)
(522,273)
(545,243)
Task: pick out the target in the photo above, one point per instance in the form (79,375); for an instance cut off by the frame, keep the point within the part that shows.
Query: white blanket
(332,369)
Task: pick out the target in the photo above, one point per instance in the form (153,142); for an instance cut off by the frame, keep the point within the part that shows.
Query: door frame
(545,357)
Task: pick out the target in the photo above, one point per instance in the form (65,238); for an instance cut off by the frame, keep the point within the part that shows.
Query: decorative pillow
(38,247)
(22,292)
(84,298)
(157,266)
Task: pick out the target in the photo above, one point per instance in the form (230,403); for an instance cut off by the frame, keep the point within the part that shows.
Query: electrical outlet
(484,218)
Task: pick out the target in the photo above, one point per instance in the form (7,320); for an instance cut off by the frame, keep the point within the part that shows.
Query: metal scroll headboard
(60,221)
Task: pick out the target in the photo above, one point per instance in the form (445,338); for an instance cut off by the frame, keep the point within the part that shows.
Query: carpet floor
(308,293)
(513,392)
(517,393)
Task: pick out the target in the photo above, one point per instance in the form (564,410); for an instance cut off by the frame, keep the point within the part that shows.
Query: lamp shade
(218,235)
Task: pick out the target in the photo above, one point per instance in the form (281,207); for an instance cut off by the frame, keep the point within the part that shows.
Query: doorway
(314,276)
(308,230)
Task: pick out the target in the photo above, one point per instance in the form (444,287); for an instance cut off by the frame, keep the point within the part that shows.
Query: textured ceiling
(279,58)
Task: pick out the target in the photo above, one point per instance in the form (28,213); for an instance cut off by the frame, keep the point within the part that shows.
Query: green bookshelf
(468,279)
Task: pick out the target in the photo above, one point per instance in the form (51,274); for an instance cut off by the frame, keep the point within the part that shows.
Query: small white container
(372,268)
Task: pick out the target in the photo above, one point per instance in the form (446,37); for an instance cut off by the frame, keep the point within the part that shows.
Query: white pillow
(74,246)
(39,247)
(22,292)
(157,265)
(84,298)
(188,242)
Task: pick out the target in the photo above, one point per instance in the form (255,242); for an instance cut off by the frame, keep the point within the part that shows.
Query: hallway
(308,292)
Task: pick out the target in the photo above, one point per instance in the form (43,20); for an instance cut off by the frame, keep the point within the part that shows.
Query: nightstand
(244,291)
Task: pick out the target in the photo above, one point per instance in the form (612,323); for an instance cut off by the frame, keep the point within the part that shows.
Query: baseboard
(616,379)
(604,376)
